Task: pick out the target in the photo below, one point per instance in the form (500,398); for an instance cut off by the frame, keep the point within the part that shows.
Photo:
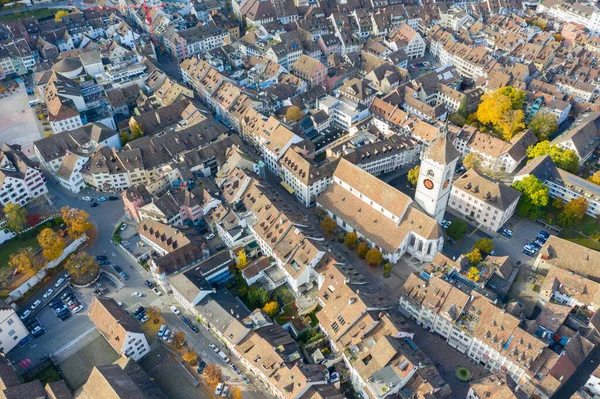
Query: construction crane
(143,6)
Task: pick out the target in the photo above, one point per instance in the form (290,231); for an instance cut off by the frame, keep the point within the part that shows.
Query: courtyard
(18,122)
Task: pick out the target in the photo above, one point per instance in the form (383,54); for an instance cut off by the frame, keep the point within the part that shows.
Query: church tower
(435,177)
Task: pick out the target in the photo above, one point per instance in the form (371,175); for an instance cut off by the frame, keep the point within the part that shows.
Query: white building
(20,179)
(343,111)
(435,176)
(408,40)
(380,214)
(12,329)
(482,200)
(122,331)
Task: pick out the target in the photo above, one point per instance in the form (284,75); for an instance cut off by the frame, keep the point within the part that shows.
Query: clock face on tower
(446,183)
(428,184)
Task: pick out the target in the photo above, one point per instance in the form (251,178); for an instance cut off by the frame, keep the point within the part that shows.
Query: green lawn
(12,246)
(46,375)
(589,225)
(577,238)
(38,14)
(283,295)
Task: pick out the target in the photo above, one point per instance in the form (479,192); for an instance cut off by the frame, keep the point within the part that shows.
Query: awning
(287,187)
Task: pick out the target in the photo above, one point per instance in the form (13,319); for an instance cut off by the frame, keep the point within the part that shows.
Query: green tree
(351,240)
(534,199)
(271,308)
(328,224)
(362,250)
(484,245)
(387,269)
(137,130)
(60,14)
(573,212)
(15,216)
(374,257)
(543,124)
(457,229)
(258,297)
(564,159)
(516,96)
(474,256)
(557,203)
(125,138)
(413,175)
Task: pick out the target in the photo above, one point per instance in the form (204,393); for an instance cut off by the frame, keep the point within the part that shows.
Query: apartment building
(20,179)
(562,184)
(408,40)
(483,200)
(570,290)
(12,329)
(312,71)
(303,177)
(567,255)
(343,111)
(583,137)
(584,13)
(380,214)
(232,228)
(122,331)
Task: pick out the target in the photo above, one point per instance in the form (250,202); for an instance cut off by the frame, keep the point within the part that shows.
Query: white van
(32,103)
(224,357)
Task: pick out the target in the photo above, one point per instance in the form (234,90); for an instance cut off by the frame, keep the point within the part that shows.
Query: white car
(210,236)
(138,294)
(219,388)
(213,347)
(123,226)
(156,291)
(77,309)
(86,198)
(48,293)
(59,282)
(161,330)
(36,304)
(25,314)
(224,394)
(145,318)
(175,310)
(166,335)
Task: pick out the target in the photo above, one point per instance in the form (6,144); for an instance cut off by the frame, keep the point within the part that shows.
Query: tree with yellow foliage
(595,178)
(242,261)
(473,274)
(472,160)
(52,244)
(271,308)
(137,130)
(60,14)
(236,393)
(76,220)
(502,110)
(16,216)
(80,264)
(474,256)
(22,261)
(293,113)
(212,373)
(190,357)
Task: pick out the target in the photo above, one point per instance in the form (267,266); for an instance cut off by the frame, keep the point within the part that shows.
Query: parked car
(507,233)
(124,275)
(224,393)
(93,204)
(245,379)
(544,234)
(101,257)
(156,291)
(102,199)
(113,198)
(64,316)
(117,268)
(166,334)
(161,330)
(54,302)
(213,347)
(219,389)
(201,367)
(139,310)
(86,198)
(123,227)
(36,304)
(145,318)
(175,310)
(67,294)
(138,294)
(37,331)
(78,309)
(210,236)
(235,369)
(25,314)
(149,284)
(48,293)
(59,282)
(103,262)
